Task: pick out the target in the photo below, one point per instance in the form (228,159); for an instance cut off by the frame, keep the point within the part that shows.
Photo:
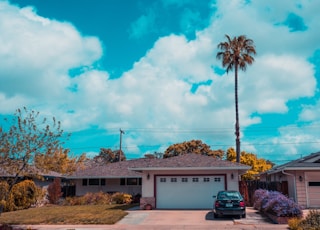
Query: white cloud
(311,112)
(274,80)
(38,52)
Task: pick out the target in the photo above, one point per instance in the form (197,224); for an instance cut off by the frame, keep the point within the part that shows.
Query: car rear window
(228,195)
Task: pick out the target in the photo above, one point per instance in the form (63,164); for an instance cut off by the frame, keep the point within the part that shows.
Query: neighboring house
(183,182)
(40,179)
(303,179)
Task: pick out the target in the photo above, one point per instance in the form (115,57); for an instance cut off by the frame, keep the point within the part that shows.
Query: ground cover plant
(310,222)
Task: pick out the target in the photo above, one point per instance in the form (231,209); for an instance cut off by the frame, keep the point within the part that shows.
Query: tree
(109,156)
(30,145)
(193,146)
(236,53)
(258,165)
(155,155)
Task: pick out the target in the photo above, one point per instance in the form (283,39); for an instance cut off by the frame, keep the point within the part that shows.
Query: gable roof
(133,168)
(310,162)
(190,162)
(109,170)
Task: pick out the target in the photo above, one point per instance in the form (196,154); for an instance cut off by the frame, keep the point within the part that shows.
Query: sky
(149,68)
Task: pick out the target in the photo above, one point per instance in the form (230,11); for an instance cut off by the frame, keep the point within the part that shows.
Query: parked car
(229,203)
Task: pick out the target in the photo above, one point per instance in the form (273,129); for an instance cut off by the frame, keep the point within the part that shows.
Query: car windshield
(228,196)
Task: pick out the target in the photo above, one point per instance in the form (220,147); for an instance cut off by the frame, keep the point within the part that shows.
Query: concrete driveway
(192,219)
(175,220)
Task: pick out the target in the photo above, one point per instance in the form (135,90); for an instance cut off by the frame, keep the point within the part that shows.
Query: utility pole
(121,132)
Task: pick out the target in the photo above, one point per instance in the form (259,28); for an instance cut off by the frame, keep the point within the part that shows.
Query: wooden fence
(247,188)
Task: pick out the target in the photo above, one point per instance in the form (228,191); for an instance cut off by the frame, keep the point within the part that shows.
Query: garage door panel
(187,192)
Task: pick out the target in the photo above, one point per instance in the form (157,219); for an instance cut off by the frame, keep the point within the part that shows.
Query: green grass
(80,214)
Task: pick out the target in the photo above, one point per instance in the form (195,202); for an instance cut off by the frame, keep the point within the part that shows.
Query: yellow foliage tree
(193,146)
(258,165)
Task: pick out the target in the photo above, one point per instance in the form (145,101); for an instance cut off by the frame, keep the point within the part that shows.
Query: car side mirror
(214,196)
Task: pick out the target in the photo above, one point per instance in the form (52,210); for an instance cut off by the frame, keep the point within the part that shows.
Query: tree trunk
(237,133)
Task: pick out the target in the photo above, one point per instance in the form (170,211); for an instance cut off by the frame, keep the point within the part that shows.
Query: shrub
(4,189)
(276,203)
(22,196)
(258,196)
(312,221)
(54,191)
(294,223)
(121,198)
(89,198)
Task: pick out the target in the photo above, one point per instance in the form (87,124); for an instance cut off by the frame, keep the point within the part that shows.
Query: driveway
(192,219)
(176,220)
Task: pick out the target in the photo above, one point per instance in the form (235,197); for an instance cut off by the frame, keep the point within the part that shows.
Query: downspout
(294,184)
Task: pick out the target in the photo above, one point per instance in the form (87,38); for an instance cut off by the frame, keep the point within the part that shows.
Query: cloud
(36,54)
(49,65)
(143,25)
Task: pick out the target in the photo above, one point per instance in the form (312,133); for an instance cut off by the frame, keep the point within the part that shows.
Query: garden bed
(276,206)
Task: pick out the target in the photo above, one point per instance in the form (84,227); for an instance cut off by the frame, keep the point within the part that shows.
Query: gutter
(294,183)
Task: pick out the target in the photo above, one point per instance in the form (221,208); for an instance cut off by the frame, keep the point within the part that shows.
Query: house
(183,182)
(41,179)
(302,177)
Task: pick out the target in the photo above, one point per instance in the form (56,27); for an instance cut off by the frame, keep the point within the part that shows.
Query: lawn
(79,214)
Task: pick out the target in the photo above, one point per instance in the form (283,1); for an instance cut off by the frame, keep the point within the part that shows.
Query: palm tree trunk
(237,113)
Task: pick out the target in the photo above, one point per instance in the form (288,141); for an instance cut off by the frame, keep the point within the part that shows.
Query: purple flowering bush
(258,197)
(276,203)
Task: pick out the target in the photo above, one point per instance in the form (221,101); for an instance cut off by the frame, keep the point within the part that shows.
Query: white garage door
(187,192)
(313,183)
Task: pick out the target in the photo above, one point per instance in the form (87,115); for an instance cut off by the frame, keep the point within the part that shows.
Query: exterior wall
(301,190)
(232,181)
(112,185)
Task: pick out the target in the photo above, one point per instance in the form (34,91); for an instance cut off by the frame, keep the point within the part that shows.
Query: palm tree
(236,53)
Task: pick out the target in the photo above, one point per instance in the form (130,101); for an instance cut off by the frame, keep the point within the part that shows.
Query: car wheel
(243,215)
(215,215)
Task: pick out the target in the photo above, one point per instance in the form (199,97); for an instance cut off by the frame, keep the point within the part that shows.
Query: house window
(206,179)
(84,182)
(195,179)
(314,183)
(162,180)
(103,182)
(184,179)
(217,179)
(94,181)
(173,179)
(132,181)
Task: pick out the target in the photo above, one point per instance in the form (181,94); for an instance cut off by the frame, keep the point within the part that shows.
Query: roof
(133,168)
(32,171)
(310,162)
(190,162)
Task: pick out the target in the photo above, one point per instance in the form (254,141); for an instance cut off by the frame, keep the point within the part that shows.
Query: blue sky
(149,68)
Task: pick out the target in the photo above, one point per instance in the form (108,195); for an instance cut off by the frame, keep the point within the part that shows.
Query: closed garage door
(187,192)
(313,183)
